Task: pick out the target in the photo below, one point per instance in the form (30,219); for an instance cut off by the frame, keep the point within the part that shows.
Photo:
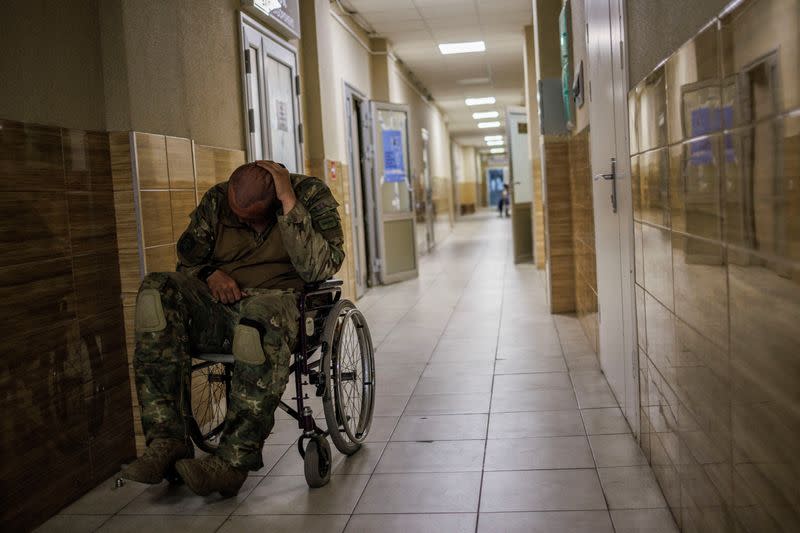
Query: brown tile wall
(538,216)
(172,175)
(580,178)
(716,179)
(558,225)
(66,412)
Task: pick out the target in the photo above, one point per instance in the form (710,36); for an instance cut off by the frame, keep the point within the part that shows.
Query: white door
(271,89)
(519,160)
(353,103)
(395,257)
(427,238)
(613,212)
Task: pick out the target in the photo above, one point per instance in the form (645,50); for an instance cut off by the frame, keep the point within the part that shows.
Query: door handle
(613,177)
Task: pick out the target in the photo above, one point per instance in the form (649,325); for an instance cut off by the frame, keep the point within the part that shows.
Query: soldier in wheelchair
(241,305)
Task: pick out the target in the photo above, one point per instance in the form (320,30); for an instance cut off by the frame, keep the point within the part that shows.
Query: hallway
(470,418)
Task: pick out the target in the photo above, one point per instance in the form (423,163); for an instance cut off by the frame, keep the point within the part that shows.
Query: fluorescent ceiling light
(473,81)
(497,150)
(462,48)
(493,138)
(494,124)
(495,143)
(485,114)
(480,101)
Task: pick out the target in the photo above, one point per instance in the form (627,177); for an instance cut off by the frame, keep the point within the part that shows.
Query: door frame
(247,21)
(427,189)
(357,208)
(610,26)
(374,107)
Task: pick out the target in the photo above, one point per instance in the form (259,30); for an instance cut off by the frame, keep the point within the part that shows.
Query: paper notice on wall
(394,168)
(282,115)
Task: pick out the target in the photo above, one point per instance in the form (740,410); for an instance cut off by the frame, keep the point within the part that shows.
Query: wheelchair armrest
(323,285)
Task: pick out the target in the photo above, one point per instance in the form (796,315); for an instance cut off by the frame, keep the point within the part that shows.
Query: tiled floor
(491,416)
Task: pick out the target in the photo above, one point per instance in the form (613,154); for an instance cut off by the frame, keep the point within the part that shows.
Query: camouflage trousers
(193,322)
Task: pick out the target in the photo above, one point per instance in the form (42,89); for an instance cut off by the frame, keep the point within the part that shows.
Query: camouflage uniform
(304,245)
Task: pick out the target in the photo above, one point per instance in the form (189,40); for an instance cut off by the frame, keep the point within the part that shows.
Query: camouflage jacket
(307,246)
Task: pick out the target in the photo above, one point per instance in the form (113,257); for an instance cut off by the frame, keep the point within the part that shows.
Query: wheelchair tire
(348,366)
(210,390)
(317,462)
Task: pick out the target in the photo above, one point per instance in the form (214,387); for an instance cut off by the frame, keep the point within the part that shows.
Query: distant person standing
(502,204)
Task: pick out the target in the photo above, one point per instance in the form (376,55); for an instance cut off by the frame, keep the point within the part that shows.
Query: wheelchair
(334,354)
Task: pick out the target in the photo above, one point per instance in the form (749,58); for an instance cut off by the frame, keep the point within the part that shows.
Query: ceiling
(416,27)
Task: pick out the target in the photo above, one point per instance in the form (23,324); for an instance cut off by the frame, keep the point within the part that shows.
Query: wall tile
(33,299)
(653,189)
(180,163)
(36,364)
(156,217)
(633,122)
(664,440)
(701,286)
(693,87)
(151,152)
(762,188)
(37,219)
(130,271)
(703,386)
(183,203)
(127,226)
(657,259)
(92,222)
(30,157)
(638,252)
(765,301)
(87,160)
(111,423)
(121,165)
(706,494)
(214,165)
(651,111)
(660,331)
(641,318)
(97,285)
(103,343)
(694,187)
(760,47)
(161,258)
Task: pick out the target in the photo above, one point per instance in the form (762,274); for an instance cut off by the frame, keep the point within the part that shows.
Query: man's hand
(283,184)
(224,288)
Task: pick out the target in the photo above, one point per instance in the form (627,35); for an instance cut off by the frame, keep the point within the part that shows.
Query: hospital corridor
(443,266)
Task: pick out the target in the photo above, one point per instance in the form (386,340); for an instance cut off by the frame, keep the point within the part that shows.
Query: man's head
(251,193)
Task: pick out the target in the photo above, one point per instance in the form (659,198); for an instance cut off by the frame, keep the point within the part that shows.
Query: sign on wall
(393,166)
(283,15)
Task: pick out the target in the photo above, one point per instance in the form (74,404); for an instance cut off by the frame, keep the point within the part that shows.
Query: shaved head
(251,192)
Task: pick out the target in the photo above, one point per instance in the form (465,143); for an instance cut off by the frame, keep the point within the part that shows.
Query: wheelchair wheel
(210,389)
(317,462)
(348,366)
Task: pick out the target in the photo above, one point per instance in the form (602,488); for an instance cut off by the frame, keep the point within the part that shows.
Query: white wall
(350,63)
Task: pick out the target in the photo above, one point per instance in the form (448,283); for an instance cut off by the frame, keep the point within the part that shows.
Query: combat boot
(157,461)
(211,474)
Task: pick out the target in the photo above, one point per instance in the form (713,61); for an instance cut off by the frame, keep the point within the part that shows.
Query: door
(391,195)
(521,184)
(354,100)
(613,212)
(271,89)
(426,213)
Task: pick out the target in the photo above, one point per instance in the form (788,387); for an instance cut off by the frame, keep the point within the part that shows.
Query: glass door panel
(395,199)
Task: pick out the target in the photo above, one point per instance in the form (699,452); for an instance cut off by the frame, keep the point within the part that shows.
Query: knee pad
(149,312)
(247,345)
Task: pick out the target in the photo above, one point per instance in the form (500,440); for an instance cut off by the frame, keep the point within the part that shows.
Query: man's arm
(196,245)
(312,234)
